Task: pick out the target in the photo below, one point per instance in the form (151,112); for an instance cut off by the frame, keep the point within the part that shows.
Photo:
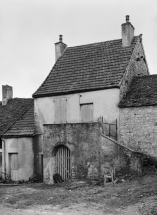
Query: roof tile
(24,126)
(88,67)
(142,92)
(11,112)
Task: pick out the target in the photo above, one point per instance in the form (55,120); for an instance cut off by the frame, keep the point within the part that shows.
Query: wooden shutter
(14,166)
(87,112)
(60,110)
(14,161)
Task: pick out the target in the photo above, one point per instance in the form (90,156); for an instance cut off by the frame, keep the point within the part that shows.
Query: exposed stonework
(136,67)
(124,159)
(91,151)
(138,129)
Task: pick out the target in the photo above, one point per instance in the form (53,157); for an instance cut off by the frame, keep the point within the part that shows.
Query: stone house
(16,136)
(86,83)
(138,116)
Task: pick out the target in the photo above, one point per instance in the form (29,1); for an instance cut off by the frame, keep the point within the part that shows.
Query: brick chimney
(127,32)
(7,93)
(59,48)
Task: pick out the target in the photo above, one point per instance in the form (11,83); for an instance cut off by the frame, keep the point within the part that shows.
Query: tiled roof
(24,126)
(11,112)
(142,92)
(88,67)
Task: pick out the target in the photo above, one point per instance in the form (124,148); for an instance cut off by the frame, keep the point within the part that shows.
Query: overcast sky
(29,29)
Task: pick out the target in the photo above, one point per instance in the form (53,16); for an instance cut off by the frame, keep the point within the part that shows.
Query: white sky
(29,29)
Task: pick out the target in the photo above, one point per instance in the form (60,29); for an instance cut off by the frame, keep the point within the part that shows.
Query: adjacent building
(16,136)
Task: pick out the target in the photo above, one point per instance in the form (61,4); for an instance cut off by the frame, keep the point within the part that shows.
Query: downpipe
(4,160)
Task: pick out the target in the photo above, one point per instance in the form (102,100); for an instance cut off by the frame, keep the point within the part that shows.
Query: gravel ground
(138,196)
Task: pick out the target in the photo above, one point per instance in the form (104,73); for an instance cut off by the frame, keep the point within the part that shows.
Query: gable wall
(138,129)
(134,68)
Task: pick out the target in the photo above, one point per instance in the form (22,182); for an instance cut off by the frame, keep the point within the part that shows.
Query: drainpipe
(4,161)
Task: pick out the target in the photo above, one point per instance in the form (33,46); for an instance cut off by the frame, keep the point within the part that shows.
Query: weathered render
(105,103)
(90,152)
(19,158)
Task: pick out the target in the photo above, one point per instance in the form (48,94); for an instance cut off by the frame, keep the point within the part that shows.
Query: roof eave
(17,136)
(74,91)
(136,106)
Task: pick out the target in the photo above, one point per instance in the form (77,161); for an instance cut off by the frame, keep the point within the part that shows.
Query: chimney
(127,32)
(7,93)
(59,48)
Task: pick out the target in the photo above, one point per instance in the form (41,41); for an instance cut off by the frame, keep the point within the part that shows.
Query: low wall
(124,159)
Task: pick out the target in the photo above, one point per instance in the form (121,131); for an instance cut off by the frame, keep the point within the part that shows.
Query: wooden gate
(63,162)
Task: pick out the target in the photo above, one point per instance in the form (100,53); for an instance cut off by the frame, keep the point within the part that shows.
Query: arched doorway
(63,161)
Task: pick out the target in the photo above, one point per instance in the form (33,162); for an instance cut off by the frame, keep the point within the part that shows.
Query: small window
(86,112)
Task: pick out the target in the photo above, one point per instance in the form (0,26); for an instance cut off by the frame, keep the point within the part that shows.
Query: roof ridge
(97,43)
(19,99)
(94,43)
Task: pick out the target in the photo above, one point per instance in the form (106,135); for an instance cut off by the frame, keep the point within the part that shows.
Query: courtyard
(131,196)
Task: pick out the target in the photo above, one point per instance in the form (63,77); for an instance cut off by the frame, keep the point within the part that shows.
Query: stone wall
(136,67)
(124,159)
(91,152)
(82,139)
(138,129)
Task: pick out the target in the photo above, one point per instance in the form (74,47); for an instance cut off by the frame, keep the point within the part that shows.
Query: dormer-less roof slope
(11,112)
(88,67)
(24,126)
(142,92)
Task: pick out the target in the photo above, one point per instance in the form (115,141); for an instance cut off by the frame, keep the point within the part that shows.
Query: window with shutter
(60,109)
(86,112)
(14,161)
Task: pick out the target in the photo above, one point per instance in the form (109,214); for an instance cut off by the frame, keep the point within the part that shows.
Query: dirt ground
(138,196)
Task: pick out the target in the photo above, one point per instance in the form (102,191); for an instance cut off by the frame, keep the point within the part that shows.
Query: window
(60,105)
(87,112)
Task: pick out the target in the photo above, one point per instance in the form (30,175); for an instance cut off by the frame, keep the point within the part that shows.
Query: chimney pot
(61,38)
(59,47)
(127,32)
(127,18)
